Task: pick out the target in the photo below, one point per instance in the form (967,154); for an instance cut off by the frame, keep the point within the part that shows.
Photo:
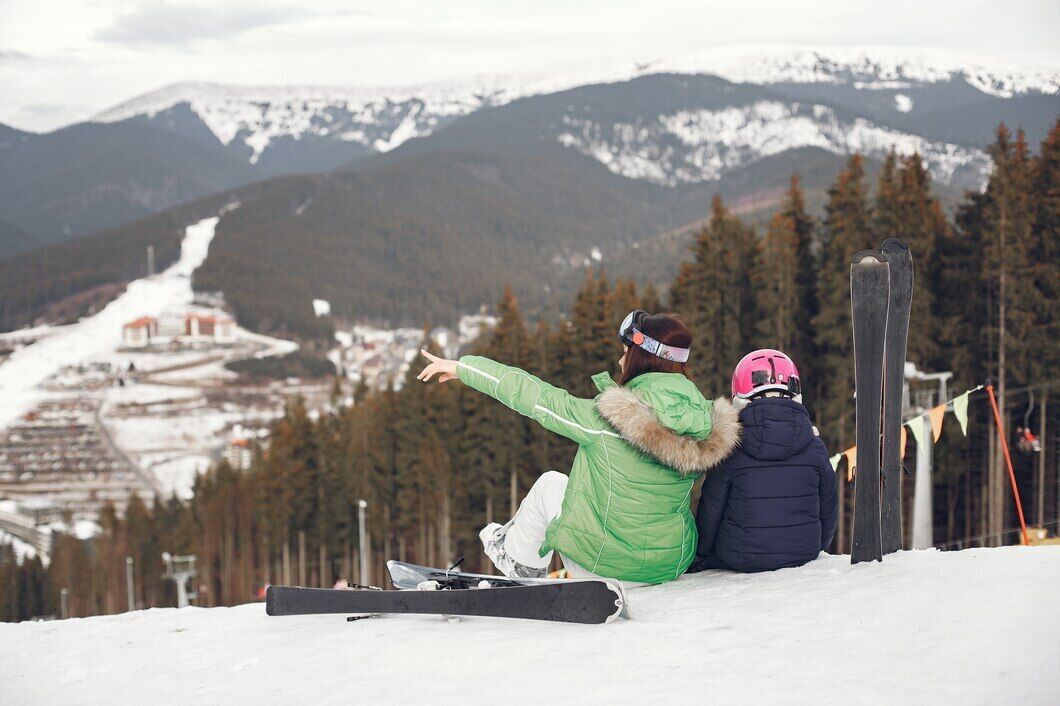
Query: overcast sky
(65,60)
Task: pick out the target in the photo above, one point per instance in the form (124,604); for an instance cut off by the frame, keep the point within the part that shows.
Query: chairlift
(1026,441)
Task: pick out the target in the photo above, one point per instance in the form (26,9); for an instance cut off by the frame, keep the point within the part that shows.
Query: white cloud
(91,54)
(13,56)
(175,24)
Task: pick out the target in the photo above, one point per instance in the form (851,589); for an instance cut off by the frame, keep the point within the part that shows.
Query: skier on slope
(772,503)
(623,512)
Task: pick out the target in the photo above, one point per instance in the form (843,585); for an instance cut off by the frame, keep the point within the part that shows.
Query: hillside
(65,281)
(677,129)
(522,192)
(415,238)
(978,626)
(90,177)
(12,239)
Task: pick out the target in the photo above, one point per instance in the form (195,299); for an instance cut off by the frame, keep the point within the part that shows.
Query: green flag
(917,428)
(960,410)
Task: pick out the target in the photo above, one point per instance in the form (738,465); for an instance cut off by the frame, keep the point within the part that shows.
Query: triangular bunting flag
(936,414)
(905,439)
(835,461)
(852,461)
(916,425)
(960,410)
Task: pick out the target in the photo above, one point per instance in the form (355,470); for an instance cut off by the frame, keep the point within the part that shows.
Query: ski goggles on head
(767,380)
(630,334)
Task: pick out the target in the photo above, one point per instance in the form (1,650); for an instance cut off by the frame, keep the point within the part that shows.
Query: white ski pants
(526,531)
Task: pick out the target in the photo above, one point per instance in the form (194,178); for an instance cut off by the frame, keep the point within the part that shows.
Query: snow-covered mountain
(380,119)
(692,146)
(671,122)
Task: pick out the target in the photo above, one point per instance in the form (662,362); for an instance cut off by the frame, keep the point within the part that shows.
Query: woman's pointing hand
(444,369)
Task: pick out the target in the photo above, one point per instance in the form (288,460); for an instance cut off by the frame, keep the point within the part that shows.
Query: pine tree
(1045,258)
(922,224)
(806,264)
(592,344)
(847,229)
(886,221)
(624,299)
(776,286)
(10,586)
(713,293)
(650,301)
(1007,273)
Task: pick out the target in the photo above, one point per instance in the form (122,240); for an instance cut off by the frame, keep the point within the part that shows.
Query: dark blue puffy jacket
(772,503)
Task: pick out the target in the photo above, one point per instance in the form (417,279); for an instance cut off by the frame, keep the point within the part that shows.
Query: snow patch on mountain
(693,146)
(873,68)
(379,118)
(382,118)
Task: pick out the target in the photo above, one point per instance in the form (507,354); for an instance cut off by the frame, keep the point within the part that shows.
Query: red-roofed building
(138,333)
(190,328)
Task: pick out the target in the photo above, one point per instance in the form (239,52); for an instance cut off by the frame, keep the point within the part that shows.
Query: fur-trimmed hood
(677,435)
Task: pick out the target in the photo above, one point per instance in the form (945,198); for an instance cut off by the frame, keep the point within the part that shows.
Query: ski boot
(492,536)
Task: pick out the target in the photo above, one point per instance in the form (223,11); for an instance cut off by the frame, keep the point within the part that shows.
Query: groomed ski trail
(22,374)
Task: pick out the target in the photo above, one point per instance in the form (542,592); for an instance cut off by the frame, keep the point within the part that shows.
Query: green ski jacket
(626,511)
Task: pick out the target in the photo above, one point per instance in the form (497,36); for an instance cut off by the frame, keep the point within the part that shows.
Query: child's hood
(775,428)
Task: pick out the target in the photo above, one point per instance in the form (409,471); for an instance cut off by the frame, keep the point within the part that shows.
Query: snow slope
(27,368)
(973,627)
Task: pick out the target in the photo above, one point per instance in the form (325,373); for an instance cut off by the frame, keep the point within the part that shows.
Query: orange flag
(936,414)
(852,461)
(905,437)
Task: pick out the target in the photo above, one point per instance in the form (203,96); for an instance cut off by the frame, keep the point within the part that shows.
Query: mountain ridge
(229,110)
(186,141)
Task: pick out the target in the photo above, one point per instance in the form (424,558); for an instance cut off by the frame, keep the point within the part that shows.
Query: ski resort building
(239,453)
(181,328)
(137,333)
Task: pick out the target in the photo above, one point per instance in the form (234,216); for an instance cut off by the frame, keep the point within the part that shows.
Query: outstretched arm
(550,406)
(444,369)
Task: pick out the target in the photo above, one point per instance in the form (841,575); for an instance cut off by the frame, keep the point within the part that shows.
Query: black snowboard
(900,267)
(868,306)
(569,602)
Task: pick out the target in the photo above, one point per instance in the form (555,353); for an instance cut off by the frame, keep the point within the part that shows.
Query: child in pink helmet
(772,503)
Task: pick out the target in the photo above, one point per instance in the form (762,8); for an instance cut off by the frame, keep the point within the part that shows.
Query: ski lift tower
(923,522)
(180,569)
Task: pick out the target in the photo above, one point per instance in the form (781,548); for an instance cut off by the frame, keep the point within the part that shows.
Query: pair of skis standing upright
(881,292)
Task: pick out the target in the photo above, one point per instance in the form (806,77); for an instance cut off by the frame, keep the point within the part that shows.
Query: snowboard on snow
(869,288)
(427,591)
(899,300)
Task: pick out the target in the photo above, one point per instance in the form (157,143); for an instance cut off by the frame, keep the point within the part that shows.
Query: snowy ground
(979,626)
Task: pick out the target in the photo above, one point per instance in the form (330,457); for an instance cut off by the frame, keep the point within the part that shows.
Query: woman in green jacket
(623,512)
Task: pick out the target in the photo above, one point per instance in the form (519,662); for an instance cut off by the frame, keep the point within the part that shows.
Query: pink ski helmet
(764,370)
